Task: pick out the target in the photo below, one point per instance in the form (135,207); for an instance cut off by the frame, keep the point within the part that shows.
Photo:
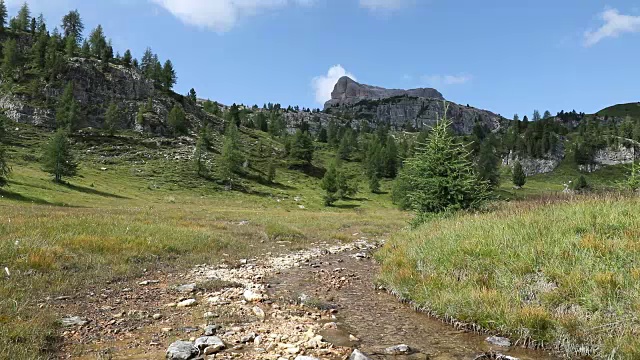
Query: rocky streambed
(319,303)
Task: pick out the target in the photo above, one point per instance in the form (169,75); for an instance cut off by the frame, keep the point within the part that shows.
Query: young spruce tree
(441,176)
(57,158)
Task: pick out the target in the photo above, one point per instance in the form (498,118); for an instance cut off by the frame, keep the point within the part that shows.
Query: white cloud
(440,80)
(382,4)
(614,25)
(221,15)
(323,85)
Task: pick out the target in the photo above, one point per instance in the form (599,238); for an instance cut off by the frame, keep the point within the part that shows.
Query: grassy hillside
(622,110)
(137,204)
(559,274)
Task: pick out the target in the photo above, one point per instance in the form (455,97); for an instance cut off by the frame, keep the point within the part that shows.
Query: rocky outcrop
(610,156)
(94,88)
(349,92)
(410,110)
(533,166)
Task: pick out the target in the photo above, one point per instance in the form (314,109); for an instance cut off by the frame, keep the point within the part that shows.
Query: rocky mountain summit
(409,110)
(349,92)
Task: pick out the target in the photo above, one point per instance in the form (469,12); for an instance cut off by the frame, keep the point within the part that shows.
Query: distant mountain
(409,110)
(349,92)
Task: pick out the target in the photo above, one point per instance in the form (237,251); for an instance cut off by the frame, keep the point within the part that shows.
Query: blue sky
(502,55)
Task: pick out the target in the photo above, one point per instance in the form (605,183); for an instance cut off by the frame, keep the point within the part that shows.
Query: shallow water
(377,318)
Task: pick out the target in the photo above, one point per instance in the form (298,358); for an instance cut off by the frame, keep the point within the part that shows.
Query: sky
(502,55)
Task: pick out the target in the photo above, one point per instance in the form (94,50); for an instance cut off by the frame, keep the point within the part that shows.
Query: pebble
(259,312)
(498,341)
(187,303)
(157,316)
(187,288)
(251,296)
(73,321)
(209,341)
(398,350)
(211,330)
(358,355)
(148,282)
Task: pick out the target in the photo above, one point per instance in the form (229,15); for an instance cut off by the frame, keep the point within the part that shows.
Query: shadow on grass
(309,169)
(262,181)
(91,191)
(346,206)
(4,193)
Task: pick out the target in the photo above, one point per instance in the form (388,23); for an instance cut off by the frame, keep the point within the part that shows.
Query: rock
(330,325)
(187,303)
(182,350)
(357,355)
(353,338)
(209,315)
(248,338)
(209,341)
(398,350)
(166,330)
(293,350)
(213,349)
(251,296)
(187,288)
(257,341)
(498,341)
(415,108)
(157,316)
(148,282)
(305,358)
(259,312)
(349,92)
(211,330)
(73,321)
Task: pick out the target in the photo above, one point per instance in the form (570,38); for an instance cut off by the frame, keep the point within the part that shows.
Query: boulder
(358,355)
(182,350)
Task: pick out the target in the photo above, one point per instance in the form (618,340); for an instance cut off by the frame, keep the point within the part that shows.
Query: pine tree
(67,112)
(97,42)
(262,123)
(302,147)
(127,58)
(322,135)
(374,183)
(71,47)
(440,177)
(547,114)
(488,163)
(146,63)
(169,77)
(198,157)
(233,115)
(3,16)
(177,122)
(22,21)
(231,158)
(390,158)
(345,149)
(330,185)
(112,119)
(332,133)
(192,95)
(10,59)
(72,26)
(4,165)
(276,123)
(85,51)
(536,115)
(518,177)
(271,171)
(57,158)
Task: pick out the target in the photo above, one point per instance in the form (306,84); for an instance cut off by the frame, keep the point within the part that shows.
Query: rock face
(95,87)
(410,110)
(349,92)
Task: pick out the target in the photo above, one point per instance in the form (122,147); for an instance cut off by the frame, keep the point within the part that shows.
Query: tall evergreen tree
(302,147)
(72,26)
(71,47)
(53,61)
(441,177)
(322,135)
(177,121)
(10,58)
(488,163)
(390,158)
(3,15)
(127,58)
(193,96)
(262,123)
(23,20)
(536,115)
(231,158)
(97,42)
(271,171)
(67,112)
(518,177)
(199,157)
(169,77)
(57,158)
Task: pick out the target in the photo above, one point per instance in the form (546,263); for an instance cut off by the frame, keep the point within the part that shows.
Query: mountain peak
(348,91)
